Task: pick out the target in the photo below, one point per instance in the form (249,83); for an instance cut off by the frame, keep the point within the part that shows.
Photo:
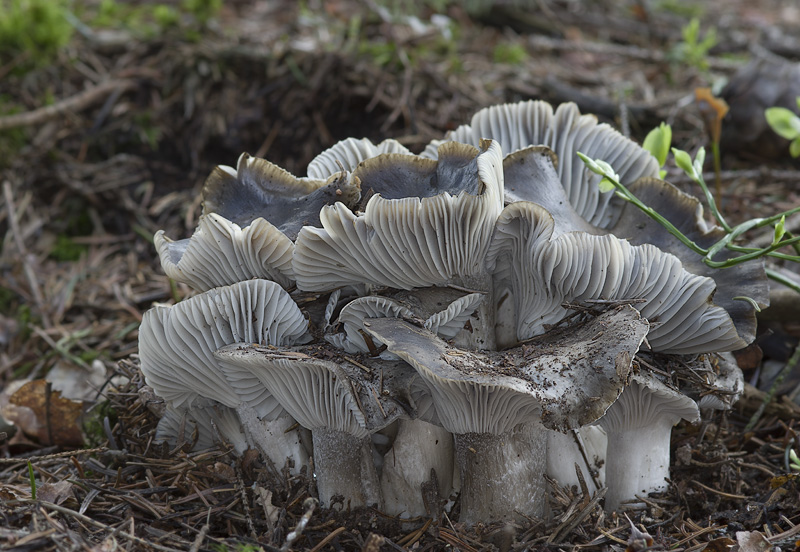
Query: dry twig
(77,102)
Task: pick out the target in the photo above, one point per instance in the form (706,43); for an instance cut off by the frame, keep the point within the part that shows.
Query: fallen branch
(78,102)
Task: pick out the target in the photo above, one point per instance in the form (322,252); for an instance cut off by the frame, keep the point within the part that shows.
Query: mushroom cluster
(463,320)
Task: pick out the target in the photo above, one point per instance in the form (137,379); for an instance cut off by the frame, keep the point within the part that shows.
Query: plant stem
(31,480)
(625,194)
(749,256)
(712,204)
(796,246)
(780,278)
(775,254)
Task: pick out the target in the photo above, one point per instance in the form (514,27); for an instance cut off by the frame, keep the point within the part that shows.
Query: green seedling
(31,480)
(786,123)
(794,461)
(202,10)
(510,53)
(780,230)
(694,49)
(658,142)
(608,174)
(166,16)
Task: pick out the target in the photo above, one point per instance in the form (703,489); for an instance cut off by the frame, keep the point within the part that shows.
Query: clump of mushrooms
(416,314)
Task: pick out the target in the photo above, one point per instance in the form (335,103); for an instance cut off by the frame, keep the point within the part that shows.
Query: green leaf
(662,173)
(691,31)
(794,147)
(684,161)
(699,159)
(780,230)
(607,169)
(783,121)
(709,41)
(658,142)
(31,480)
(606,185)
(598,166)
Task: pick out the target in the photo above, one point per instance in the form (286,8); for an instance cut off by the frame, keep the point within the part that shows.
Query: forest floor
(111,139)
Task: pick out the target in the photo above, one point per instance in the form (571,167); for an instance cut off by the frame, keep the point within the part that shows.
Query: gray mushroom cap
(221,253)
(531,175)
(445,310)
(176,343)
(648,401)
(567,378)
(347,154)
(565,131)
(252,215)
(323,393)
(211,425)
(353,314)
(543,270)
(455,306)
(260,189)
(428,223)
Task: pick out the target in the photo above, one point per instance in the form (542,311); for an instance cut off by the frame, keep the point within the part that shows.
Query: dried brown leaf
(57,418)
(57,493)
(752,541)
(722,544)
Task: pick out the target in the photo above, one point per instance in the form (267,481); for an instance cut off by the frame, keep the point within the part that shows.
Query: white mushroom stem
(418,448)
(274,438)
(502,473)
(637,463)
(639,426)
(564,452)
(344,467)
